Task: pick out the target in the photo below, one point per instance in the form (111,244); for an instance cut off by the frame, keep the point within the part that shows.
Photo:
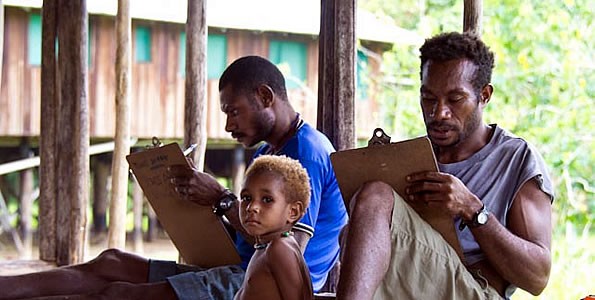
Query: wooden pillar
(336,79)
(137,212)
(101,173)
(195,113)
(153,227)
(1,39)
(47,142)
(26,201)
(119,192)
(239,168)
(472,13)
(73,133)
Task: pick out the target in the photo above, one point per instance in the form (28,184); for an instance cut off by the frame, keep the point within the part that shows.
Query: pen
(190,149)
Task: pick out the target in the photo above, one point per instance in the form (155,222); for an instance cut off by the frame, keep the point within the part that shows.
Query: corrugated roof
(291,16)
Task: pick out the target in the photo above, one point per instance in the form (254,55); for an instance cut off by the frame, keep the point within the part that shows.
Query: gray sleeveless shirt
(495,174)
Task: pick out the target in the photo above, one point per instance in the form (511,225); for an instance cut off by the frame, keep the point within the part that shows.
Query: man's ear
(296,211)
(486,94)
(266,95)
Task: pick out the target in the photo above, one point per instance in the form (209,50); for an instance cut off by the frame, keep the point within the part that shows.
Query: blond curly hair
(295,177)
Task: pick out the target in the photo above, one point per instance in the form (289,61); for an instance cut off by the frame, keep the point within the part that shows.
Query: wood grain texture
(72,133)
(48,154)
(116,237)
(336,86)
(472,15)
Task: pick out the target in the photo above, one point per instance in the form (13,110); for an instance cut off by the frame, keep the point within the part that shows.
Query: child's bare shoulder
(281,248)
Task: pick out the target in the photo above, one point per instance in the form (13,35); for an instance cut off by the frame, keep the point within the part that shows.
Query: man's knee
(110,259)
(109,255)
(116,265)
(374,196)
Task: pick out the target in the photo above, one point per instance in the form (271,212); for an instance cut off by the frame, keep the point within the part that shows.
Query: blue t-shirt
(326,215)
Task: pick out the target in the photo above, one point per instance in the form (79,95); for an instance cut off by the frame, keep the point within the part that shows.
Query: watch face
(482,217)
(226,204)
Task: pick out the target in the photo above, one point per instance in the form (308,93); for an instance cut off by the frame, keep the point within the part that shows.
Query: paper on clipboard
(199,235)
(391,163)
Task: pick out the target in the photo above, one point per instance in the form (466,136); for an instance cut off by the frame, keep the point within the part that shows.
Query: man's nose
(441,111)
(230,125)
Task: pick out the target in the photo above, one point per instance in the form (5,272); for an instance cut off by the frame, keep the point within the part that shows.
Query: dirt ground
(12,262)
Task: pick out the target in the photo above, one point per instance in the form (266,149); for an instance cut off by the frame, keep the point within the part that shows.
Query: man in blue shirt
(254,99)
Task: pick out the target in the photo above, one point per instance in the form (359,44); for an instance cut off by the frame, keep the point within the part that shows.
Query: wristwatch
(225,203)
(481,217)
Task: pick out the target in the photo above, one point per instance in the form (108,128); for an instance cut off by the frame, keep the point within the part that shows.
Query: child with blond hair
(275,196)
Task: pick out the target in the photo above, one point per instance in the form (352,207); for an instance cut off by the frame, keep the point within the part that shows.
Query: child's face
(264,207)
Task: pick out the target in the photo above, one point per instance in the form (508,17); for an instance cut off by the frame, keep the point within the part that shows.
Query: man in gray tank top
(494,184)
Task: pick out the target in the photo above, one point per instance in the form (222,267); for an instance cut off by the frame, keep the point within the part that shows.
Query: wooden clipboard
(391,163)
(199,235)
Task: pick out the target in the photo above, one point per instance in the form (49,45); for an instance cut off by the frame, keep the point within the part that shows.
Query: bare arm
(289,270)
(521,252)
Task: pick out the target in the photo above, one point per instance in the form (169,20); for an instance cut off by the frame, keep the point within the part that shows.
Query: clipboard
(391,162)
(197,233)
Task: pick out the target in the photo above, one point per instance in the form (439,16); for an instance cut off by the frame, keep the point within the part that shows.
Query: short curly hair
(245,74)
(454,45)
(294,175)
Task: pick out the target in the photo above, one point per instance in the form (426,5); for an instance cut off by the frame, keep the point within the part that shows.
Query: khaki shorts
(423,265)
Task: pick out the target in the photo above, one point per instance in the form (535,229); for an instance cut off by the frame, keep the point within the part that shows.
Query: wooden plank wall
(157,94)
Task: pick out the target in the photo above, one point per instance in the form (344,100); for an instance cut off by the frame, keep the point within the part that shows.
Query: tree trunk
(472,12)
(195,113)
(119,194)
(73,136)
(336,84)
(47,141)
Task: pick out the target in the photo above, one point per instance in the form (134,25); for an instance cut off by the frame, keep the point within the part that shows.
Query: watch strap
(474,220)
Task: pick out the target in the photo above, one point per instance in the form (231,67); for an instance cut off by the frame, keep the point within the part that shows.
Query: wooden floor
(17,267)
(13,263)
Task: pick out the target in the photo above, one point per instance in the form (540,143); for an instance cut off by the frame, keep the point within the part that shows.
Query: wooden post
(1,39)
(195,112)
(137,212)
(239,168)
(73,133)
(47,141)
(26,208)
(472,13)
(101,172)
(336,64)
(119,194)
(153,227)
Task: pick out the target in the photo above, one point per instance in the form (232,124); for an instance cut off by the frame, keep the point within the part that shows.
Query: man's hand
(445,191)
(193,185)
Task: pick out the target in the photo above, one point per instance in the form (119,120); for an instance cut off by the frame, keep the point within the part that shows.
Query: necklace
(258,246)
(295,125)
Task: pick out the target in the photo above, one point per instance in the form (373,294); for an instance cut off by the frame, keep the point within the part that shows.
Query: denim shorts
(191,282)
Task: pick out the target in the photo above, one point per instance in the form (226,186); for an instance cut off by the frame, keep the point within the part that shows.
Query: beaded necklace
(258,246)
